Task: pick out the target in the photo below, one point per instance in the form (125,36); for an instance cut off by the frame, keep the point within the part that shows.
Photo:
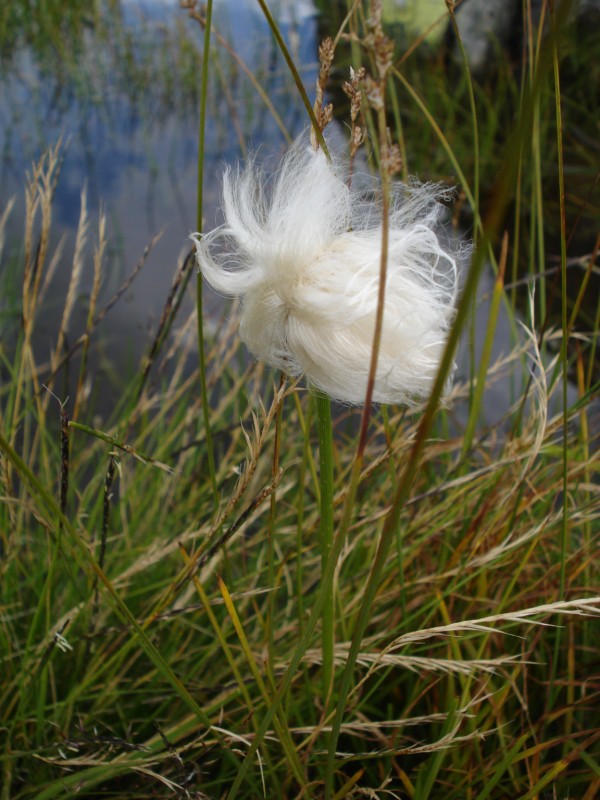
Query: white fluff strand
(304,258)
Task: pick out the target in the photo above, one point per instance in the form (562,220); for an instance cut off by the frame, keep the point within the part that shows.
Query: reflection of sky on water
(136,155)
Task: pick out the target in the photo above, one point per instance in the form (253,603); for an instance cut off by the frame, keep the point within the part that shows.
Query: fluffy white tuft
(303,252)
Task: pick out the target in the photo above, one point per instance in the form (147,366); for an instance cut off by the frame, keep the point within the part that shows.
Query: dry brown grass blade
(39,192)
(3,220)
(99,252)
(582,607)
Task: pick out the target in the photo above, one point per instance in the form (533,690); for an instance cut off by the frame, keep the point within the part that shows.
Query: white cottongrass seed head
(302,250)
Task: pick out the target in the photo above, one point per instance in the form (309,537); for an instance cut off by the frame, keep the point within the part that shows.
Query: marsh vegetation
(173,621)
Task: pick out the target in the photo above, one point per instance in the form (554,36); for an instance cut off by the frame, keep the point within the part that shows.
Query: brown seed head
(352,90)
(323,115)
(384,55)
(357,137)
(373,22)
(374,93)
(391,160)
(326,51)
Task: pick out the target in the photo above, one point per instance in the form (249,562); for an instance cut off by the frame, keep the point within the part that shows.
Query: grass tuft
(178,614)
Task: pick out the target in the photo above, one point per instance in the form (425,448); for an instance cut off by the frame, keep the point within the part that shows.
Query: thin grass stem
(295,75)
(325,431)
(199,281)
(565,543)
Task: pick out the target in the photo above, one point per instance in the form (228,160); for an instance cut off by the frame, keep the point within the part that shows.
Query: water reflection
(124,102)
(122,95)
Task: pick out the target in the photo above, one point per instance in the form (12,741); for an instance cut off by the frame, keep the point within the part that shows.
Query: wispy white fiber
(302,250)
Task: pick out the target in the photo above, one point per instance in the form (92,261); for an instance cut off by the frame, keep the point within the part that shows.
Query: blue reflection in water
(132,141)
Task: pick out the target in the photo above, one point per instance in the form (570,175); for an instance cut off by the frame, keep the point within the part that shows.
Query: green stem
(326,542)
(200,320)
(105,437)
(472,332)
(564,537)
(393,519)
(324,428)
(271,581)
(306,637)
(362,442)
(295,75)
(486,355)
